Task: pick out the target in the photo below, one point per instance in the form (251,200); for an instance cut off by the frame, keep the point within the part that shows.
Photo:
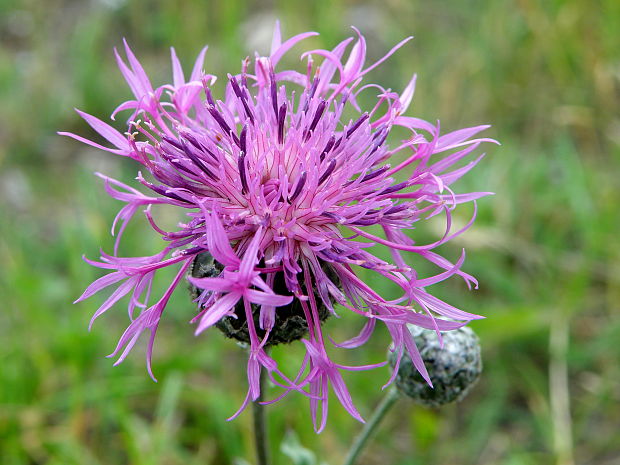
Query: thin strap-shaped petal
(387,55)
(276,40)
(92,144)
(423,321)
(415,123)
(356,58)
(290,43)
(219,244)
(118,294)
(462,198)
(330,56)
(445,309)
(198,65)
(132,80)
(445,264)
(263,298)
(100,284)
(341,391)
(441,276)
(105,130)
(453,139)
(249,258)
(414,355)
(212,284)
(178,78)
(129,105)
(219,309)
(141,76)
(407,95)
(361,338)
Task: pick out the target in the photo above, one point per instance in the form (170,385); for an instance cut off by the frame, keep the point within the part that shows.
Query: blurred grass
(545,248)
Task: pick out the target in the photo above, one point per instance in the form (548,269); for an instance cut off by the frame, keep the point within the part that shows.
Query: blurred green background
(545,248)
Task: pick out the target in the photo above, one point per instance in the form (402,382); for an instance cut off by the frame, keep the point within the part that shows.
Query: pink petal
(212,284)
(219,244)
(219,309)
(108,132)
(415,357)
(139,73)
(132,80)
(249,257)
(263,298)
(361,338)
(453,139)
(177,70)
(387,55)
(276,41)
(356,58)
(198,65)
(100,284)
(441,276)
(407,95)
(118,294)
(290,43)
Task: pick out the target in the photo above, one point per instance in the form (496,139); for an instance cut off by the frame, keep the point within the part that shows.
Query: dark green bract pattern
(290,323)
(454,369)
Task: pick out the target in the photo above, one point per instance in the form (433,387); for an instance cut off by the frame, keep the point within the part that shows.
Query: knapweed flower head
(287,198)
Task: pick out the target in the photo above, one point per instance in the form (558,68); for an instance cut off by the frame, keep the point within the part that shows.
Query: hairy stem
(371,425)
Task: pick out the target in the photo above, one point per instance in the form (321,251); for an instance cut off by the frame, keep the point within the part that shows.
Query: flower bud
(453,369)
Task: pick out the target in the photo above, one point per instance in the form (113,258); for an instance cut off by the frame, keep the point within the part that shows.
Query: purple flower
(276,182)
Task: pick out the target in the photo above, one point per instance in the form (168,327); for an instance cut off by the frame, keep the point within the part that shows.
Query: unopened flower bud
(453,369)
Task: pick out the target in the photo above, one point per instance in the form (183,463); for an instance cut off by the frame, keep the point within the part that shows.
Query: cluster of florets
(276,186)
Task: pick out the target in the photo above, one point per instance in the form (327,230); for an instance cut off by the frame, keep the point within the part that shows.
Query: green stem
(260,425)
(371,425)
